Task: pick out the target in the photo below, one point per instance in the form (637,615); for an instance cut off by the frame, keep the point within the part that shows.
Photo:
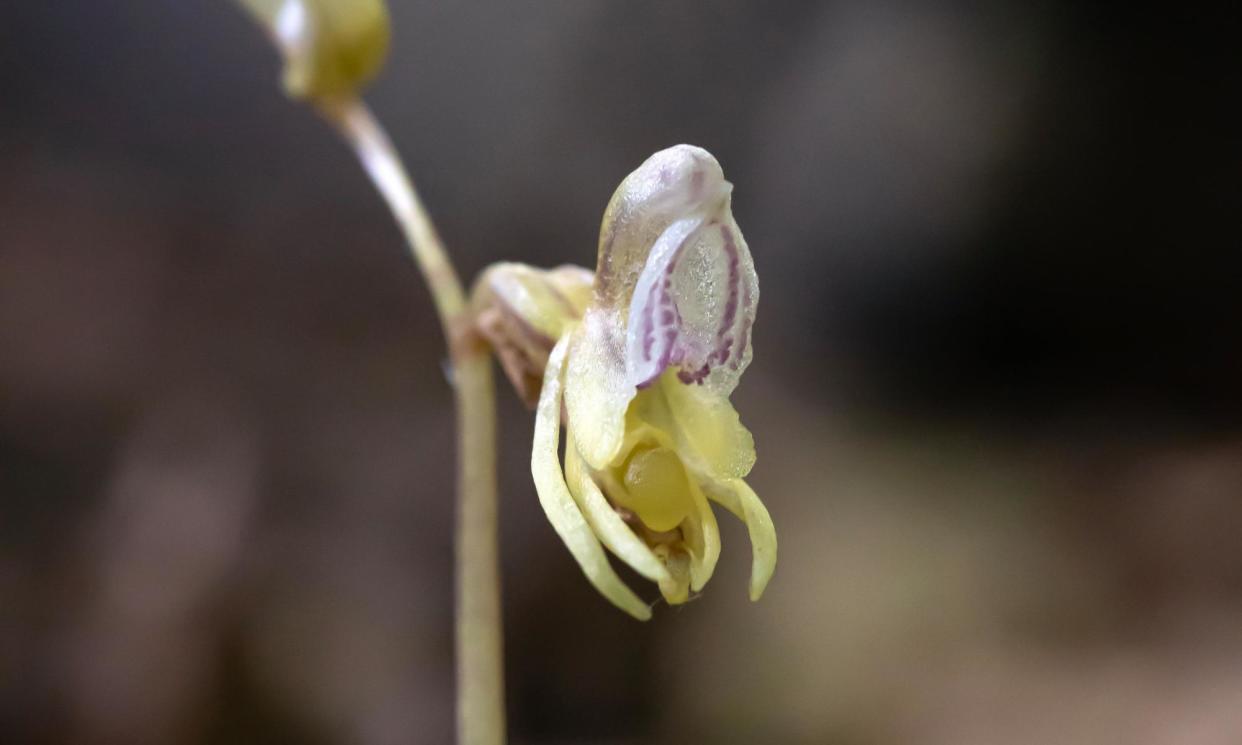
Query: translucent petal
(607,524)
(596,393)
(654,322)
(559,505)
(675,286)
(694,305)
(675,269)
(678,182)
(737,497)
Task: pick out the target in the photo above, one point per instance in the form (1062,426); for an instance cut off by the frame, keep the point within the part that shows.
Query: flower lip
(656,488)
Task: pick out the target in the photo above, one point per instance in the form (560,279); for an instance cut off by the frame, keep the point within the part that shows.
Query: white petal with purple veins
(693,305)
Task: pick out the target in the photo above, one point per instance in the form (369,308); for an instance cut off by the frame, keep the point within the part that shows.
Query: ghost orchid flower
(641,371)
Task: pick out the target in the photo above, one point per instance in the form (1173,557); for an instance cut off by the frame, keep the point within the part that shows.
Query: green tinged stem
(480,677)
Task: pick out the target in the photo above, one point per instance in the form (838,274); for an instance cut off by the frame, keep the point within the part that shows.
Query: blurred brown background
(995,395)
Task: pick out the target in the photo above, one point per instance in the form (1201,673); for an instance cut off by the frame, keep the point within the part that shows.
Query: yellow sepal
(558,504)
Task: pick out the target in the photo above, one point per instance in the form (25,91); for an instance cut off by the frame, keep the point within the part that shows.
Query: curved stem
(480,678)
(383,165)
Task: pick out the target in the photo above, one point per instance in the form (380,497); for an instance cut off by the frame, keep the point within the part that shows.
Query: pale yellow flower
(641,372)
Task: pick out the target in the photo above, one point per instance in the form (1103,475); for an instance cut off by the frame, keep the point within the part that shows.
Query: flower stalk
(480,676)
(331,50)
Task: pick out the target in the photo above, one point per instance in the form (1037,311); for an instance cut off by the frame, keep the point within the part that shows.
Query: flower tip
(763,564)
(682,178)
(640,614)
(757,586)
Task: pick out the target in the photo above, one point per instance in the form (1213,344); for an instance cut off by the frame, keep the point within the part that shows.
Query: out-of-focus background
(996,389)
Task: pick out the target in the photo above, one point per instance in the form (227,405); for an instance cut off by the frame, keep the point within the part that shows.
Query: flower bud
(522,311)
(332,48)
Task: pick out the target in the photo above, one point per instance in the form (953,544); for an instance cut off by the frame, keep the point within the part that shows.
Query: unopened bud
(332,48)
(522,311)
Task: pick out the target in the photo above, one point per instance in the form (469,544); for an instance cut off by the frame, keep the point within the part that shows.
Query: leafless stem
(480,678)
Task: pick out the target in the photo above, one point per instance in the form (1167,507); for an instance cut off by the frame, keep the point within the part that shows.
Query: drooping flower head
(641,375)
